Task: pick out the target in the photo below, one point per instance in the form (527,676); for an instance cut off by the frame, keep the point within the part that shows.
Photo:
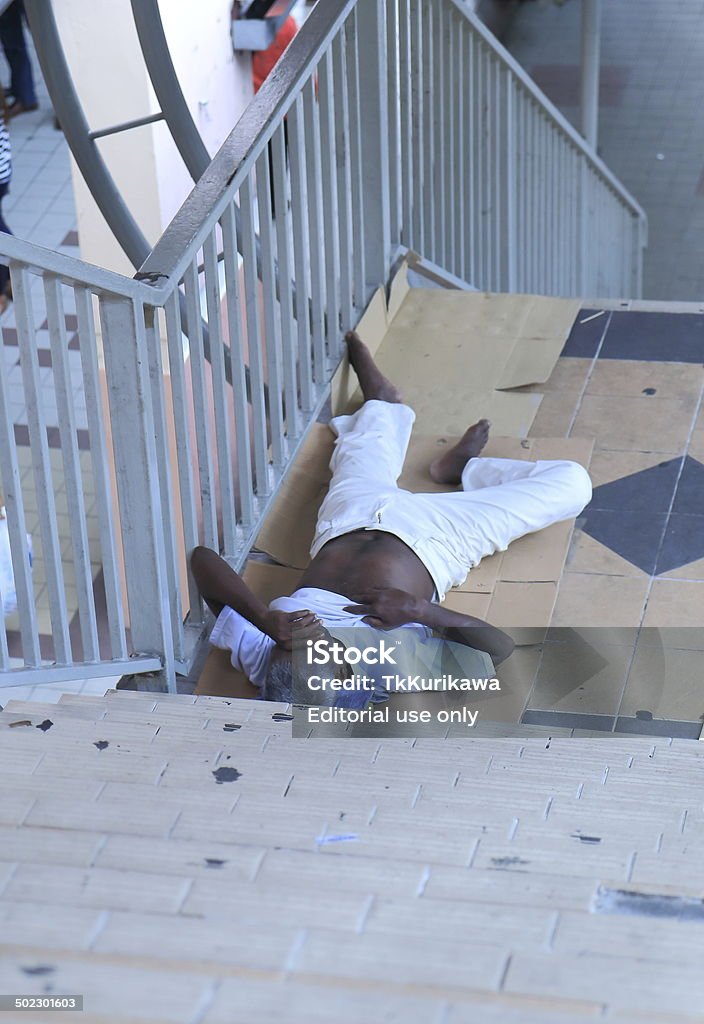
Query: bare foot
(447,469)
(372,381)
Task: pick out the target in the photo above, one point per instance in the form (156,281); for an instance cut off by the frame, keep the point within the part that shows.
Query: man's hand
(287,628)
(387,608)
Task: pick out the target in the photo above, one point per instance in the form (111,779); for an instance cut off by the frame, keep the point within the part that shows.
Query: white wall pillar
(112,82)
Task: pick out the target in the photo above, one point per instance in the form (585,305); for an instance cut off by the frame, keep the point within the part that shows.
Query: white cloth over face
(500,499)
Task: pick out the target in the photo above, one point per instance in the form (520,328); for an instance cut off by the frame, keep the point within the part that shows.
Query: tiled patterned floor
(632,380)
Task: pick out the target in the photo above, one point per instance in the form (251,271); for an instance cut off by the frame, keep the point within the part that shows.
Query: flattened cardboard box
(491,342)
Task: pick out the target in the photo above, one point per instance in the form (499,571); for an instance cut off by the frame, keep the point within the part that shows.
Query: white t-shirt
(251,649)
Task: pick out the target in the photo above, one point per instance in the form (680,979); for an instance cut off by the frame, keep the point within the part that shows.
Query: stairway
(184,859)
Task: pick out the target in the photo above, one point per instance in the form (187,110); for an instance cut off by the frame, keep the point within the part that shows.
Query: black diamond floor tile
(649,490)
(689,496)
(635,536)
(584,338)
(683,542)
(655,337)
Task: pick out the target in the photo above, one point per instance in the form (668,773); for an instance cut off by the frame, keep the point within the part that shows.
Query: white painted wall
(112,82)
(216,82)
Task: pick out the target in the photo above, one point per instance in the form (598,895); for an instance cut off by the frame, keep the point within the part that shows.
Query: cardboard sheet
(483,344)
(453,354)
(288,531)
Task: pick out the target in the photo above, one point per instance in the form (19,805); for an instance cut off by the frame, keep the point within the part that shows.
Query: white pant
(500,500)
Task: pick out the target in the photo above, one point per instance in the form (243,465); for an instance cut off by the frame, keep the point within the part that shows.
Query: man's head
(284,679)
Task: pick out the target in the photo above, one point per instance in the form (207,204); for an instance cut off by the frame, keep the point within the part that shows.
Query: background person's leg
(5,287)
(15,46)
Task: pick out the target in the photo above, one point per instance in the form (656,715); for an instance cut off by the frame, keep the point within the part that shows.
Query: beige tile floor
(604,399)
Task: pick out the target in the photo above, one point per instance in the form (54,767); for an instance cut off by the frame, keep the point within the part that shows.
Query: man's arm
(388,608)
(220,585)
(468,630)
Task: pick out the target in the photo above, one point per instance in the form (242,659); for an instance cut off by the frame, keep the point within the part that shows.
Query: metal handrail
(549,107)
(234,160)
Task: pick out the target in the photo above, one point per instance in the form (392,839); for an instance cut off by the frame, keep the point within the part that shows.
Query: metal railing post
(374,117)
(591,30)
(136,469)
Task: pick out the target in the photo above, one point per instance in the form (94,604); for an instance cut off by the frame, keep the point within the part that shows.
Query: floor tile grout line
(690,434)
(588,377)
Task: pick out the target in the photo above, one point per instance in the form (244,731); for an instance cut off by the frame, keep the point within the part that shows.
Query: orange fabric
(264,60)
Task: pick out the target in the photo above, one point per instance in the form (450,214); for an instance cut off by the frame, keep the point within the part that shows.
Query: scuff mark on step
(644,904)
(508,862)
(226,774)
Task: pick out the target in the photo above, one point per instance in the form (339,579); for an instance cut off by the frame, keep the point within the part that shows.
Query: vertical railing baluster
(167,501)
(428,137)
(521,189)
(460,167)
(498,86)
(418,46)
(223,448)
(508,170)
(16,519)
(299,215)
(439,103)
(254,341)
(201,409)
(237,359)
(356,162)
(271,320)
(189,515)
(43,480)
(315,230)
(4,649)
(344,180)
(487,166)
(374,103)
(107,527)
(331,215)
(471,240)
(72,470)
(393,93)
(286,320)
(407,140)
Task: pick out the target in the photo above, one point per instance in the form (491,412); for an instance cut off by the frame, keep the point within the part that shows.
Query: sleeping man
(385,557)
